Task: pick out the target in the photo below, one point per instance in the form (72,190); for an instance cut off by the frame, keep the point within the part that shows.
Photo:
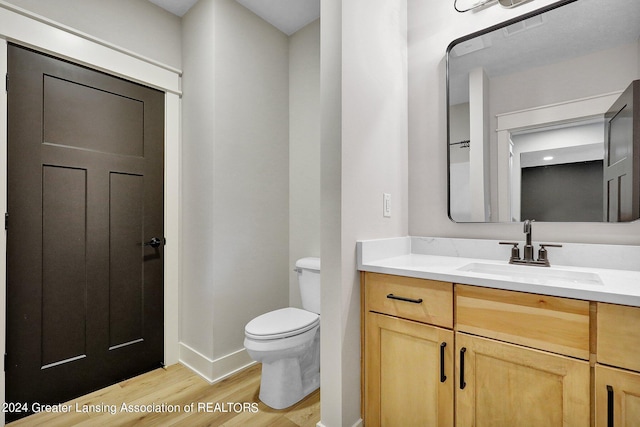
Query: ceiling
(177,7)
(287,15)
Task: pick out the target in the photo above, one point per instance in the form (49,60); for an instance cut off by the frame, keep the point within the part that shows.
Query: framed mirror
(544,116)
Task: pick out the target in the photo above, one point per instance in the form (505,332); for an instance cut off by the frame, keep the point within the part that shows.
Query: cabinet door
(617,397)
(505,385)
(408,373)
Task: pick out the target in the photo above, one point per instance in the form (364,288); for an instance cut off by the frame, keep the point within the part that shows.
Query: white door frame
(30,30)
(532,118)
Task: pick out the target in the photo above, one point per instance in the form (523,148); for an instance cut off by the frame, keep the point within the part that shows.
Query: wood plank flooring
(188,401)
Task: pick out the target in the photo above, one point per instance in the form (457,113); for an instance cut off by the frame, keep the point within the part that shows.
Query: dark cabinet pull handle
(463,384)
(443,377)
(609,406)
(415,301)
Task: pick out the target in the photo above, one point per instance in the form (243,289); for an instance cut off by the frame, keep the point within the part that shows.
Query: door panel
(622,157)
(64,266)
(116,125)
(404,366)
(85,190)
(126,225)
(617,397)
(505,385)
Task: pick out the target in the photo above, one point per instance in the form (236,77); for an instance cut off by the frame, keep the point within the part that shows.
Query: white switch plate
(386,205)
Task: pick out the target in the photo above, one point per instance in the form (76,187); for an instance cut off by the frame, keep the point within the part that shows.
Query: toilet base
(286,381)
(279,391)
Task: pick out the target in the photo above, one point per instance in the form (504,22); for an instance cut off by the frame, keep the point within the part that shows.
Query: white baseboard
(214,370)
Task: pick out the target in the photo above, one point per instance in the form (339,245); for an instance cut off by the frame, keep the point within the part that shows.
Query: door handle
(155,242)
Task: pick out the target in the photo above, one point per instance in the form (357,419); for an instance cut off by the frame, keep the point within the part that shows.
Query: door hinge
(5,362)
(6,221)
(6,83)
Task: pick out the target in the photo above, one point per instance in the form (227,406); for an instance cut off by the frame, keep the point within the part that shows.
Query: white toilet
(287,343)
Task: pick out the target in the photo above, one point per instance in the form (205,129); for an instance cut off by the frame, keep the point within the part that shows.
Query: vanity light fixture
(511,3)
(468,5)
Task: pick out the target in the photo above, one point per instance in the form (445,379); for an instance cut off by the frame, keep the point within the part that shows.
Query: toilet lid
(282,323)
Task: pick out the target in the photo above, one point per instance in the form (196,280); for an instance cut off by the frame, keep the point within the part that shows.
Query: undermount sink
(541,275)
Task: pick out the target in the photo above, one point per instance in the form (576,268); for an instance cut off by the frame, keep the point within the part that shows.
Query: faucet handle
(542,252)
(515,251)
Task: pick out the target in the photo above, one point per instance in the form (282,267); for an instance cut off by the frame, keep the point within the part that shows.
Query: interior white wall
(331,320)
(459,131)
(136,25)
(304,150)
(363,154)
(235,193)
(198,110)
(432,26)
(459,178)
(594,74)
(479,89)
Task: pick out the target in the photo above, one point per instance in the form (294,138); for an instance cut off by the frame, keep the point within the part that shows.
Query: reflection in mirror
(571,154)
(543,118)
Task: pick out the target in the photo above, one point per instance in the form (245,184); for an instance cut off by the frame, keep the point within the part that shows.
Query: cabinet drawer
(618,336)
(559,325)
(421,300)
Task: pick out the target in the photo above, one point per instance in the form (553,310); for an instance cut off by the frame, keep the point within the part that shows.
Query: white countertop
(394,256)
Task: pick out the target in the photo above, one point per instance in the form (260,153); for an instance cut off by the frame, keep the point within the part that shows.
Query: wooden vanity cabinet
(512,356)
(617,373)
(506,359)
(408,345)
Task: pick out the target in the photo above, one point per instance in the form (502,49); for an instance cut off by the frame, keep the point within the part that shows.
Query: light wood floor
(177,385)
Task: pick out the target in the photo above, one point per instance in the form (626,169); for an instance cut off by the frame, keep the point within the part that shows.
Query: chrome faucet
(527,259)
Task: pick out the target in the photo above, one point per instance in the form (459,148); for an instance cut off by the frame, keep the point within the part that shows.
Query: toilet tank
(309,281)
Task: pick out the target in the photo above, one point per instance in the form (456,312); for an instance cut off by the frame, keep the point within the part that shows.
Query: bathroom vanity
(448,338)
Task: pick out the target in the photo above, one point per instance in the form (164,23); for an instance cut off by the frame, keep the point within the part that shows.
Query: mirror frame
(462,39)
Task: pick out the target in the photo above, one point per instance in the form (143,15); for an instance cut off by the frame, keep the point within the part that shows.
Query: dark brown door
(622,157)
(85,192)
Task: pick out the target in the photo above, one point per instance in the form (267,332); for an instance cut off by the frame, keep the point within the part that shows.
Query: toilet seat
(282,323)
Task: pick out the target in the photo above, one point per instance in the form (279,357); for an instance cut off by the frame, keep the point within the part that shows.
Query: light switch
(386,205)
